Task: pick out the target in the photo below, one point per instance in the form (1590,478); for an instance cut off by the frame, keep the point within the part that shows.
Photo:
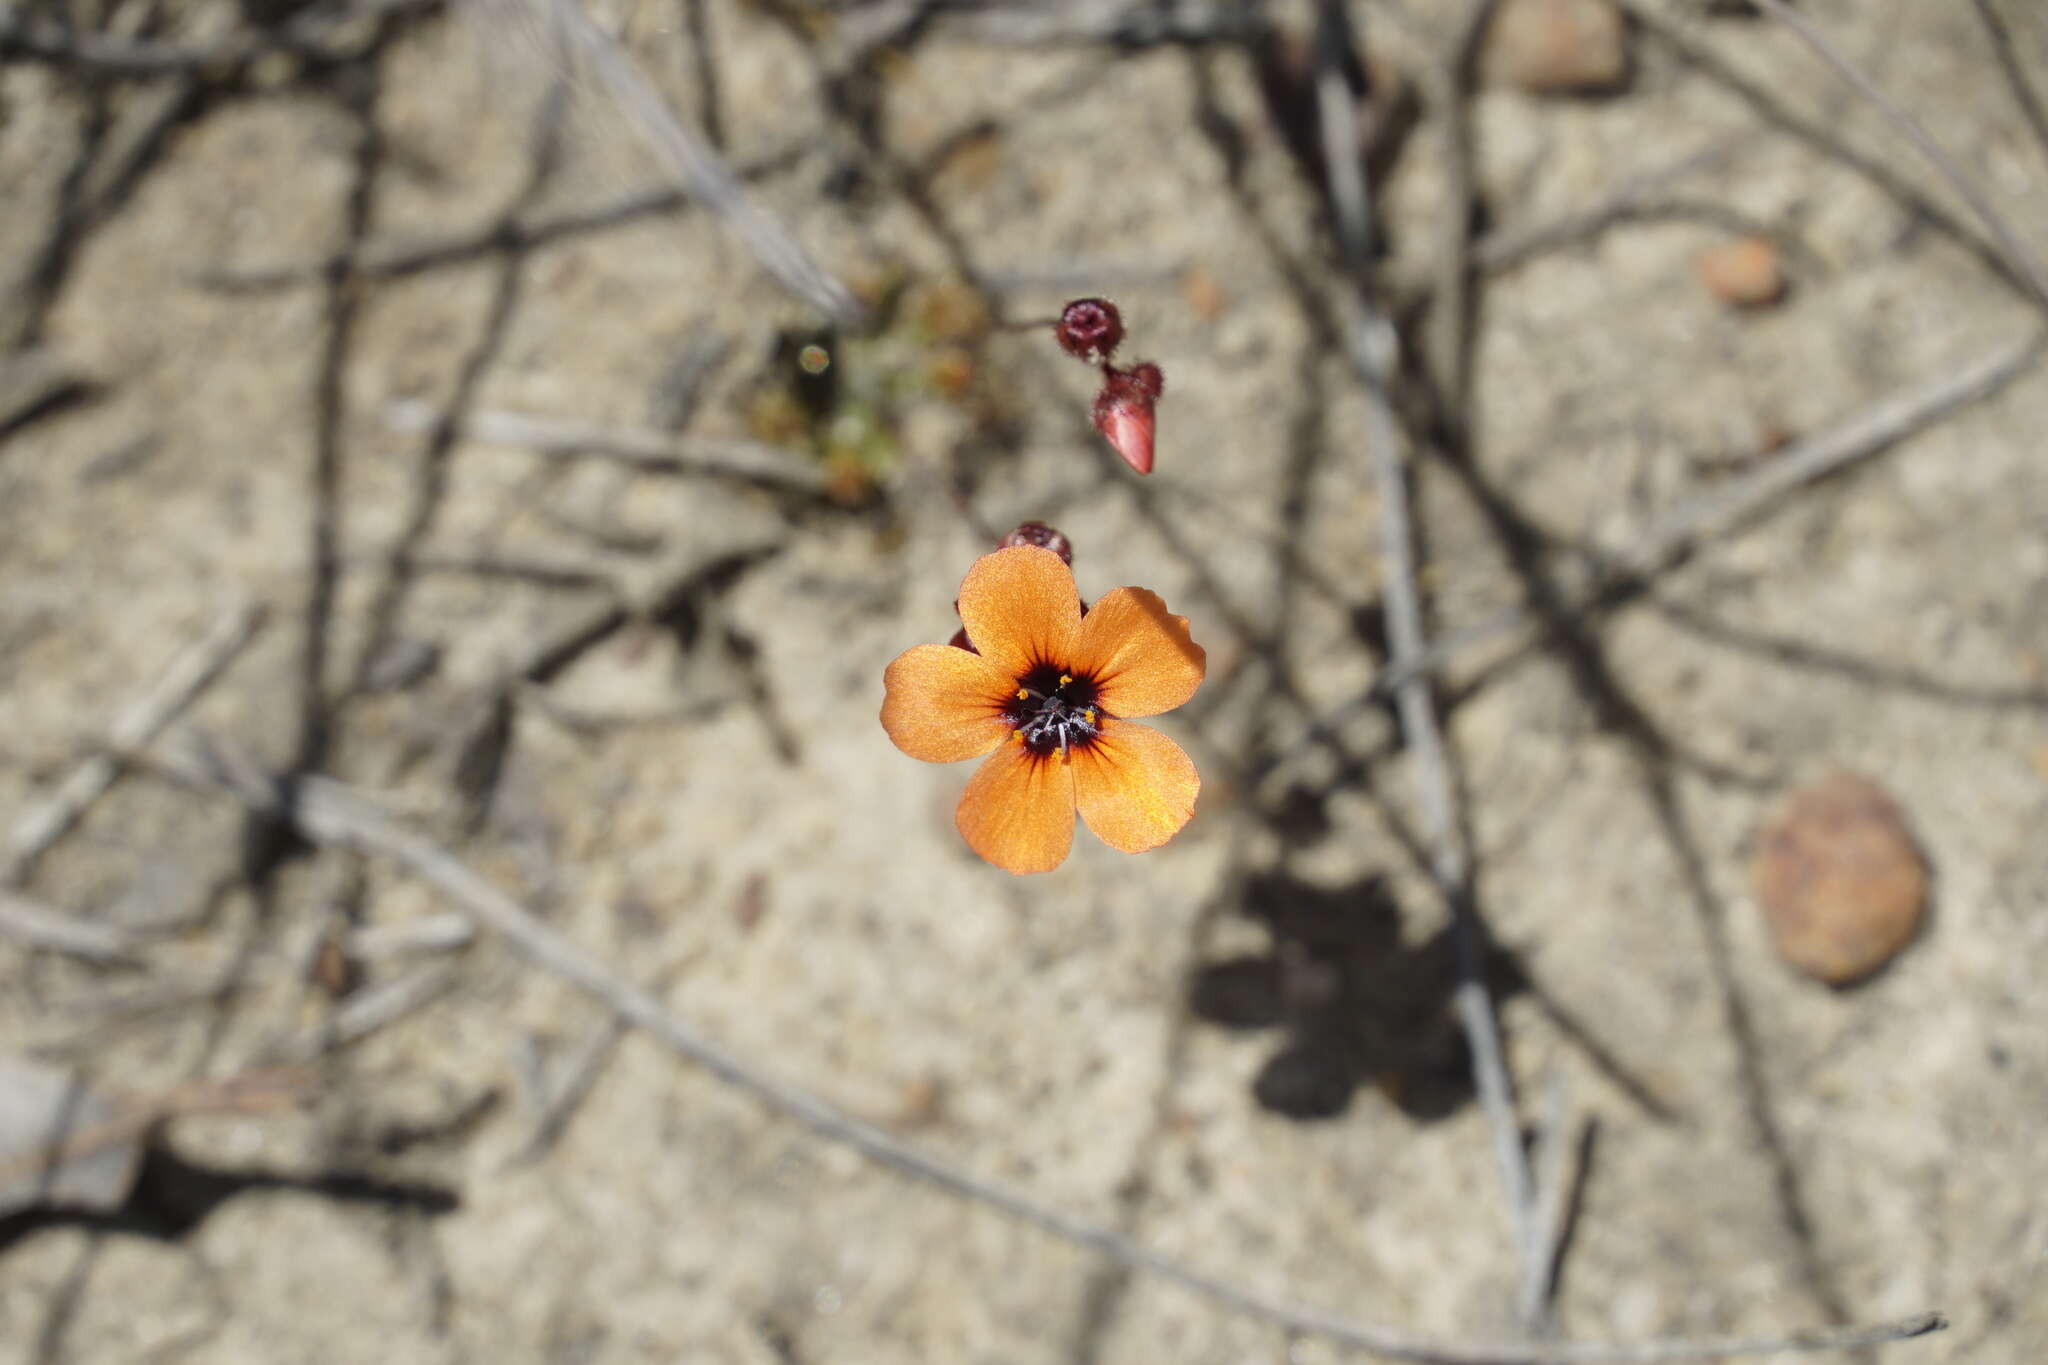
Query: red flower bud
(1044,537)
(1089,329)
(1124,412)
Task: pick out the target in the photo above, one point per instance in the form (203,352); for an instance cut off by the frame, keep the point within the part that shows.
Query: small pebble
(1202,292)
(1556,47)
(1745,273)
(1842,882)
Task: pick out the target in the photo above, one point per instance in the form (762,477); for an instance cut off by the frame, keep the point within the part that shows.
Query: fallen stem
(695,165)
(141,721)
(41,926)
(1374,349)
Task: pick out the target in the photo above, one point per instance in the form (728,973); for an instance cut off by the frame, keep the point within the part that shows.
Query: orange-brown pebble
(1556,47)
(1842,883)
(1204,295)
(1746,273)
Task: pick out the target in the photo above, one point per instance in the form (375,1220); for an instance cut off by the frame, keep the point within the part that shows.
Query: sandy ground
(699,792)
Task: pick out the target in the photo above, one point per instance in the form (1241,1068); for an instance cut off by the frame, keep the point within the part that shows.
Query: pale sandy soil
(703,797)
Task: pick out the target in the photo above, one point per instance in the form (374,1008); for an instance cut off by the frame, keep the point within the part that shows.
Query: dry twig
(42,926)
(696,166)
(574,1078)
(2017,256)
(1374,349)
(1558,1142)
(141,721)
(443,933)
(1824,137)
(2007,55)
(376,1007)
(1876,428)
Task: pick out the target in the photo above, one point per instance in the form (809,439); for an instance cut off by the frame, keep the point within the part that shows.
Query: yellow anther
(1089,715)
(1023,694)
(1017,735)
(1066,678)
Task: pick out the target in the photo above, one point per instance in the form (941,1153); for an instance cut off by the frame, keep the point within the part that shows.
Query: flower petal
(1018,810)
(1135,787)
(944,704)
(1021,608)
(1138,653)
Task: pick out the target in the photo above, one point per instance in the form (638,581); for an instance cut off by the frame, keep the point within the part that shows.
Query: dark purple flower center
(1055,712)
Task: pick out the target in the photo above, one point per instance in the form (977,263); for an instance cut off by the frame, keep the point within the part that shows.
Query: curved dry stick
(139,722)
(1996,29)
(696,167)
(1824,138)
(1375,350)
(330,813)
(2015,252)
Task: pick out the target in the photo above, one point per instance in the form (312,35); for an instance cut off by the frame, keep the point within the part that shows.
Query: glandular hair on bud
(1090,329)
(1044,537)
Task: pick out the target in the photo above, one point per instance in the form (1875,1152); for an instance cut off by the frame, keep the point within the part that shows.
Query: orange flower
(1049,697)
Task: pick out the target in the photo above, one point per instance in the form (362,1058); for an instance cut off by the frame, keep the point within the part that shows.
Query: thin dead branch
(1877,428)
(575,1077)
(696,166)
(35,925)
(2006,52)
(377,1007)
(2023,261)
(1825,138)
(331,814)
(133,727)
(443,933)
(1374,349)
(1451,338)
(1560,1148)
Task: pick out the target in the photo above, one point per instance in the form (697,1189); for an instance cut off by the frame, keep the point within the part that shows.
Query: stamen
(1048,716)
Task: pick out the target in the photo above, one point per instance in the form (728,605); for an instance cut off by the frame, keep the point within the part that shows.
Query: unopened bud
(1124,412)
(1090,329)
(1044,537)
